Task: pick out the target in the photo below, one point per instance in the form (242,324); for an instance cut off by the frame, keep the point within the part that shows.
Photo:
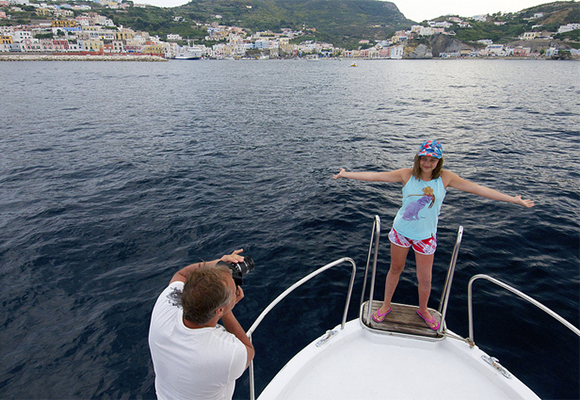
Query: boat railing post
(364,288)
(517,293)
(449,280)
(251,375)
(375,238)
(374,274)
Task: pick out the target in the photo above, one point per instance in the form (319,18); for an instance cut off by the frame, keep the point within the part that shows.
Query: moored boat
(188,53)
(399,358)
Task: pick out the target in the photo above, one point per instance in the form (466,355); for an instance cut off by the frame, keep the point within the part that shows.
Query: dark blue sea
(115,175)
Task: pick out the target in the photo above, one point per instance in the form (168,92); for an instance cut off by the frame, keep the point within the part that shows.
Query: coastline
(70,57)
(152,58)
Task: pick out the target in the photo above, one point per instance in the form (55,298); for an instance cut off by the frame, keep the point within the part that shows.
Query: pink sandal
(436,327)
(378,317)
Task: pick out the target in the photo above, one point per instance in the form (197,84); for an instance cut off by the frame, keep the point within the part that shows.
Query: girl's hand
(340,174)
(525,203)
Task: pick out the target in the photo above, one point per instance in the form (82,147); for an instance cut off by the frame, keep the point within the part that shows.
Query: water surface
(115,175)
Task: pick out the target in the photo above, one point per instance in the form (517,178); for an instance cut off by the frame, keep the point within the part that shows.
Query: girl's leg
(424,269)
(398,258)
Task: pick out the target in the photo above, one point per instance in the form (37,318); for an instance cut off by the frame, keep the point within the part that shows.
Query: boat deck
(361,363)
(403,319)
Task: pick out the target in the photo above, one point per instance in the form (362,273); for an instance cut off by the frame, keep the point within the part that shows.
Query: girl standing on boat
(415,225)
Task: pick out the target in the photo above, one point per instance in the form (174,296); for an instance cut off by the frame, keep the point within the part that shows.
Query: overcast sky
(419,10)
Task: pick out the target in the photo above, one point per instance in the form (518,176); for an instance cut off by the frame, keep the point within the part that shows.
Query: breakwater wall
(71,57)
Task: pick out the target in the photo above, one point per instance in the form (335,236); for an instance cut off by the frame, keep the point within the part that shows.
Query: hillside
(503,28)
(341,22)
(344,23)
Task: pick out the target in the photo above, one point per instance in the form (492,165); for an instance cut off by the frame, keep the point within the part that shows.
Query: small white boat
(189,52)
(399,358)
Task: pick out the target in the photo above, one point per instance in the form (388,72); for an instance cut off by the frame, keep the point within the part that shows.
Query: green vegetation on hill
(344,23)
(341,22)
(156,21)
(502,28)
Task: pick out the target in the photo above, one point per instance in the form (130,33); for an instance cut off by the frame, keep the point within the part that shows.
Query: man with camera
(194,357)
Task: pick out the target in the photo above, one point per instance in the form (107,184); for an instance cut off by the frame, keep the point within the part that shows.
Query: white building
(569,27)
(397,52)
(495,50)
(262,44)
(31,45)
(83,20)
(426,31)
(441,24)
(21,36)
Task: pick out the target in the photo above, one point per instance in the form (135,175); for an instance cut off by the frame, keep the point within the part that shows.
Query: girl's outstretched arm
(454,181)
(399,175)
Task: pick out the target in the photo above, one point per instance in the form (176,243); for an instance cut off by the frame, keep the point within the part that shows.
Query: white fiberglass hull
(357,363)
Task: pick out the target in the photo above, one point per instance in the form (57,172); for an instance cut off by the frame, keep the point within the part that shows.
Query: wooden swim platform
(403,319)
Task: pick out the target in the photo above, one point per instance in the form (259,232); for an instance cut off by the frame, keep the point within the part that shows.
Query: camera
(240,269)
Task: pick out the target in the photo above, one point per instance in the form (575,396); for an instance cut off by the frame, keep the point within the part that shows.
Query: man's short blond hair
(205,291)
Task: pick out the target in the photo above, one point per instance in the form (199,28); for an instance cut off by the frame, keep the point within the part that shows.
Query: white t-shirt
(189,363)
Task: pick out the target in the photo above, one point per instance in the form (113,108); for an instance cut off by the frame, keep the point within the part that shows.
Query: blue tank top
(418,216)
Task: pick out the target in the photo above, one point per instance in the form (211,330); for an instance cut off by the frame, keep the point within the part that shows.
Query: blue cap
(431,148)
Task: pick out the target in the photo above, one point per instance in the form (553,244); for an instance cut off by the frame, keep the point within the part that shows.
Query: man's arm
(183,273)
(232,325)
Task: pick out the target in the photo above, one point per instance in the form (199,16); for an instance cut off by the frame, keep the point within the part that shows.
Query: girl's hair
(417,168)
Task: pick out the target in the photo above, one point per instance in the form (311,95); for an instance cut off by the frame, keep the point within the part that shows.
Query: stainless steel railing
(374,244)
(447,288)
(286,293)
(517,293)
(374,248)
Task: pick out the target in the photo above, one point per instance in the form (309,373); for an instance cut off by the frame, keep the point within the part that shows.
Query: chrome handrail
(516,292)
(286,293)
(375,237)
(447,288)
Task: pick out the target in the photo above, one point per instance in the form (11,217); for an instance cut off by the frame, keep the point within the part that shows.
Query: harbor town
(76,31)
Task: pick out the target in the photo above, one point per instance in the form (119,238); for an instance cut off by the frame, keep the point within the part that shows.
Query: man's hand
(239,294)
(233,258)
(183,273)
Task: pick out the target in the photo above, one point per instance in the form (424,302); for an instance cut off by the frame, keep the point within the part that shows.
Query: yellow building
(530,35)
(93,45)
(43,11)
(156,48)
(6,40)
(64,24)
(124,34)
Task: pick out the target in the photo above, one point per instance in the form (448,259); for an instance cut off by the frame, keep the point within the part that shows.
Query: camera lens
(239,269)
(245,266)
